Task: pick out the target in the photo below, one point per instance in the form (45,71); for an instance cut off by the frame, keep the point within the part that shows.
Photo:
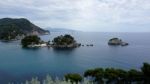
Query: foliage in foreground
(49,80)
(119,76)
(73,78)
(102,76)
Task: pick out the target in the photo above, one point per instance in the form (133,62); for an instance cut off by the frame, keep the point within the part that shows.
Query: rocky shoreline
(117,41)
(61,42)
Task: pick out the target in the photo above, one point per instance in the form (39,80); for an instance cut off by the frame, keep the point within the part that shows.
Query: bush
(73,78)
(97,74)
(146,72)
(146,69)
(134,75)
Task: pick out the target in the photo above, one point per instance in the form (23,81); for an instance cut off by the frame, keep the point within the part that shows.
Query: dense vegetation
(60,42)
(73,78)
(102,76)
(64,40)
(9,32)
(119,76)
(49,80)
(30,40)
(10,28)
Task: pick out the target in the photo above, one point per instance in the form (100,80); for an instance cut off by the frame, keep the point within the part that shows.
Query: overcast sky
(85,15)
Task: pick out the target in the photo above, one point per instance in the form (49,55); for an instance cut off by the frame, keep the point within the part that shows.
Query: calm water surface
(18,64)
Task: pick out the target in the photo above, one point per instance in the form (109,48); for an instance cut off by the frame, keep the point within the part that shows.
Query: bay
(18,64)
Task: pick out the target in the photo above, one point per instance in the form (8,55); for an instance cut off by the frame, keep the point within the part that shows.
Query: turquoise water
(18,64)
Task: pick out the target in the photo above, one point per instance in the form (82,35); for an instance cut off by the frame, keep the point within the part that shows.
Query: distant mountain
(60,30)
(10,28)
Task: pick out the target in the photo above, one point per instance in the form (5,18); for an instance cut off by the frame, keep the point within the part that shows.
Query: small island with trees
(32,41)
(117,41)
(61,42)
(65,41)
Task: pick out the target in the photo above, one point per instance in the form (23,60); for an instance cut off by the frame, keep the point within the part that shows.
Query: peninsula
(15,29)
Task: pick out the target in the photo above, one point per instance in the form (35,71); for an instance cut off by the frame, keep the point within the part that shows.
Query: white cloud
(88,15)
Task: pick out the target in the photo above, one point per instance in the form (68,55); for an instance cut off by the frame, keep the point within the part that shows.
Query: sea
(18,64)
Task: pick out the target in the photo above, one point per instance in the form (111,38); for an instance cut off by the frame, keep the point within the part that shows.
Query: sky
(84,15)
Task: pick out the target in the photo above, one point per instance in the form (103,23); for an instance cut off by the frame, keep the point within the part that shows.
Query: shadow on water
(33,49)
(64,50)
(5,42)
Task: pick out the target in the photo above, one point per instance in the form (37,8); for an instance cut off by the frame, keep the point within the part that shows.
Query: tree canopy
(63,40)
(103,76)
(120,75)
(9,32)
(28,40)
(73,77)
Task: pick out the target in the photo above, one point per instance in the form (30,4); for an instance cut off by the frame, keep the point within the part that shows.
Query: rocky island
(14,29)
(117,41)
(59,42)
(32,41)
(65,41)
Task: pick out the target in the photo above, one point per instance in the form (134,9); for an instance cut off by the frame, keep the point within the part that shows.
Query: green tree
(63,40)
(146,71)
(97,74)
(73,78)
(111,74)
(134,75)
(28,40)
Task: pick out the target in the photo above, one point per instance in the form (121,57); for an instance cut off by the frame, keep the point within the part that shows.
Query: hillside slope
(10,28)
